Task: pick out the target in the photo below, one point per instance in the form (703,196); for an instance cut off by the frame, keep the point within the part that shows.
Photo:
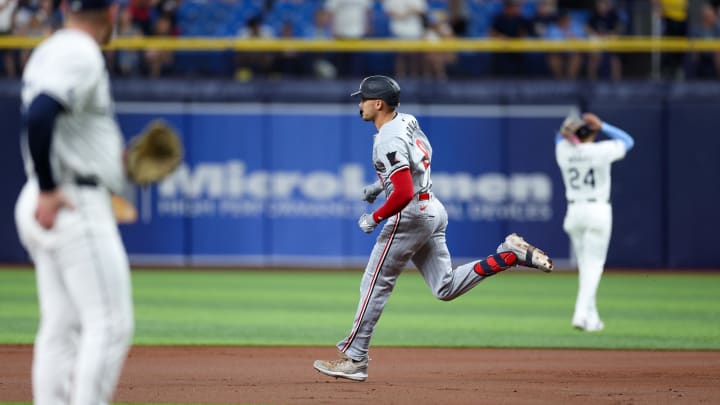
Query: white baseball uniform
(585,170)
(83,274)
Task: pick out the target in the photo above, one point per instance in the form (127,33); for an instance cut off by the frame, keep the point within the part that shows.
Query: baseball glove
(153,154)
(570,126)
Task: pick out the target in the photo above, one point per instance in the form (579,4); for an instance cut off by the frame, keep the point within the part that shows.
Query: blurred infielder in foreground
(585,167)
(73,154)
(414,229)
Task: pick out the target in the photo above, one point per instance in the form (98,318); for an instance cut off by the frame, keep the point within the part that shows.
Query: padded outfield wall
(274,169)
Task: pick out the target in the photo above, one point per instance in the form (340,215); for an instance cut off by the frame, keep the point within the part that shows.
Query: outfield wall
(273,170)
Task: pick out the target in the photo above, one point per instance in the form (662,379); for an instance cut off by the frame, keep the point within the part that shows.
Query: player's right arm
(56,80)
(40,121)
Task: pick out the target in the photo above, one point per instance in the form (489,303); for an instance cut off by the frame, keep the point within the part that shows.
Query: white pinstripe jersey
(585,167)
(69,67)
(402,144)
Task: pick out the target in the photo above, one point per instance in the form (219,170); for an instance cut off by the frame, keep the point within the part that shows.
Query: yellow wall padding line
(623,44)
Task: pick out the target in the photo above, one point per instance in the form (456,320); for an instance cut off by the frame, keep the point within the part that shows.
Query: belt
(424,196)
(87,181)
(585,200)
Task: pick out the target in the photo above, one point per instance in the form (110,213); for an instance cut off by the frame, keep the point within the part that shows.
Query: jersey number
(426,159)
(588,179)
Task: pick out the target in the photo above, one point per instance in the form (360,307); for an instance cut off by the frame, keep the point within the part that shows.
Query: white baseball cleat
(583,326)
(528,255)
(344,367)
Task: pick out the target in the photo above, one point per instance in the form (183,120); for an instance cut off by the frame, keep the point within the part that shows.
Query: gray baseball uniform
(83,274)
(414,229)
(417,233)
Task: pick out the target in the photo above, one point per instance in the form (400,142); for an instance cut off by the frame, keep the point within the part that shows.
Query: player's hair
(585,132)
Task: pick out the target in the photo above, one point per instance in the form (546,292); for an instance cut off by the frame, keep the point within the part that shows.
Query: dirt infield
(272,375)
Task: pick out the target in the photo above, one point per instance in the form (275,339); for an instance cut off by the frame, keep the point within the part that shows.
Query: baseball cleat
(344,367)
(528,255)
(583,326)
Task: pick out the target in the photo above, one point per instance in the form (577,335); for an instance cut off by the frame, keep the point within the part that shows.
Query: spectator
(32,19)
(565,65)
(407,22)
(510,23)
(436,63)
(141,11)
(459,16)
(249,64)
(545,15)
(321,29)
(160,62)
(126,62)
(349,20)
(288,62)
(7,15)
(604,22)
(707,64)
(674,24)
(169,9)
(576,4)
(322,25)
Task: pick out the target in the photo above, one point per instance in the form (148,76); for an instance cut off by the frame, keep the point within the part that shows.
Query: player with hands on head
(414,227)
(72,151)
(585,166)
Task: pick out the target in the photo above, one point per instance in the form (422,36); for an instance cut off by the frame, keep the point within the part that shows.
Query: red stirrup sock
(495,263)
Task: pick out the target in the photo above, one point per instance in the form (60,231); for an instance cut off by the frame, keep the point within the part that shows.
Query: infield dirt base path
(284,375)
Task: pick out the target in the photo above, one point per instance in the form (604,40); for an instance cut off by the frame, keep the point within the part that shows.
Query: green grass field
(515,309)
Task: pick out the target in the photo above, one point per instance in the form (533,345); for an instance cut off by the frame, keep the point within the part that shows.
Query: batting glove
(367,223)
(371,191)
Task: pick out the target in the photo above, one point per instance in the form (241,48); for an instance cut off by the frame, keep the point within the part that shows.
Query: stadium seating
(206,18)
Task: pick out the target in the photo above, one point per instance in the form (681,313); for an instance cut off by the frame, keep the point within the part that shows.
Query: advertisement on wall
(280,184)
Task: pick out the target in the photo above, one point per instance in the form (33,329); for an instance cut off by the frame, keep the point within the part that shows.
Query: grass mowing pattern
(514,309)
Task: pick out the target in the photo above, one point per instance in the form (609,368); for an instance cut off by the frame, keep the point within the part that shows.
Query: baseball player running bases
(414,230)
(585,167)
(72,151)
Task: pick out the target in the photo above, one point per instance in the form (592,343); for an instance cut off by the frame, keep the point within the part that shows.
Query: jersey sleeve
(613,149)
(391,156)
(70,77)
(617,133)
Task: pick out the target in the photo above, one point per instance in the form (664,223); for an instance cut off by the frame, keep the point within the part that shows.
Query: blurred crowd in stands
(432,20)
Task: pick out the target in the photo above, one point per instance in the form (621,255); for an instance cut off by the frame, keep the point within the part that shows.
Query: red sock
(496,263)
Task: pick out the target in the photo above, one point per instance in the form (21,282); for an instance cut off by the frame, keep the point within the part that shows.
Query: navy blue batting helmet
(379,87)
